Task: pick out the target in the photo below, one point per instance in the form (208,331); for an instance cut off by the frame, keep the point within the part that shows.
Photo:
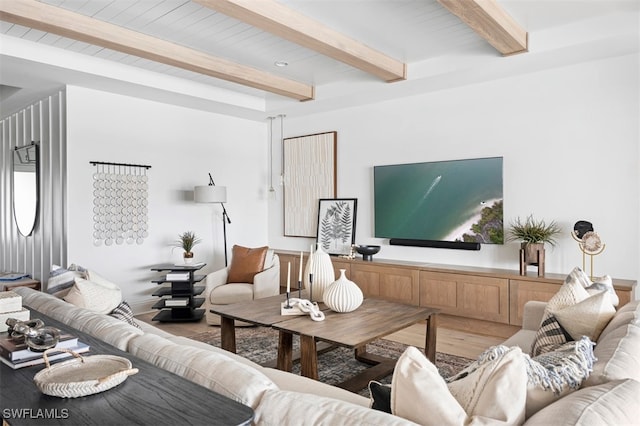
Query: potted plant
(533,234)
(186,241)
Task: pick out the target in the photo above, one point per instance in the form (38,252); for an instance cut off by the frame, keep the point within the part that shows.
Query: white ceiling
(438,48)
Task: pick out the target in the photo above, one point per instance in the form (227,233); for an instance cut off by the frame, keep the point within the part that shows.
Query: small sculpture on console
(34,333)
(352,253)
(367,251)
(588,241)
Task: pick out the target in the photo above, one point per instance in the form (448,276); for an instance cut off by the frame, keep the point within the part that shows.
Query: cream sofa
(279,398)
(611,394)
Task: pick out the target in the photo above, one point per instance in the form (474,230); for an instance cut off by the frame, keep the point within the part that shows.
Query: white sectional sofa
(277,397)
(611,395)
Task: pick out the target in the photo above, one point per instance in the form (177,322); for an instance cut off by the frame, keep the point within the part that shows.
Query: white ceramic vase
(343,295)
(319,264)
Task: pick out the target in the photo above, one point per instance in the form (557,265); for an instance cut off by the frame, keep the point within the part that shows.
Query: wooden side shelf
(487,294)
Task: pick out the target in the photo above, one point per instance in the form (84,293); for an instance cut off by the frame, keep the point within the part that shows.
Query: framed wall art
(309,168)
(337,224)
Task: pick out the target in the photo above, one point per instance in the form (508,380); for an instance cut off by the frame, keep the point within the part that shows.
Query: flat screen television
(458,201)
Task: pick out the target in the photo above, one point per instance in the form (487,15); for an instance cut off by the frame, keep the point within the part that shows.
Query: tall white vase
(319,264)
(343,295)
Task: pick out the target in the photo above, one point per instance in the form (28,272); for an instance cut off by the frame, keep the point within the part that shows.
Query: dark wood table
(374,319)
(153,396)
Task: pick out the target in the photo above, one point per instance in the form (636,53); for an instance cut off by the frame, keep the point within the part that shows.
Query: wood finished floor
(451,340)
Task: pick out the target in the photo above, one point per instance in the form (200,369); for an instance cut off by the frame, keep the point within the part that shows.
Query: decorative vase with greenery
(186,241)
(533,234)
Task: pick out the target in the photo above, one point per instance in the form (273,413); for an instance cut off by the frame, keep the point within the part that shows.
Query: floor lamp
(214,194)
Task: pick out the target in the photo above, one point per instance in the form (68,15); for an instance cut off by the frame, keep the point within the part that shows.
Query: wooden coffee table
(374,319)
(261,312)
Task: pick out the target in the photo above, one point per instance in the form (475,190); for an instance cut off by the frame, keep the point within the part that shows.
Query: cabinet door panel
(398,287)
(438,293)
(396,284)
(483,300)
(368,281)
(469,296)
(624,297)
(522,291)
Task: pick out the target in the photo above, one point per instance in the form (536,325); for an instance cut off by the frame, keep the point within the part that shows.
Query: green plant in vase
(186,241)
(533,234)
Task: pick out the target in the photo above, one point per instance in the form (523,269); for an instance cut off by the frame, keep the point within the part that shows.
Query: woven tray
(82,376)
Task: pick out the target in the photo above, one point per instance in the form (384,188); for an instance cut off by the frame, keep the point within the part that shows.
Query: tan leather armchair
(219,292)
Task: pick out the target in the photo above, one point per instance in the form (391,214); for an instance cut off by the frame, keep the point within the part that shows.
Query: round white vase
(343,295)
(319,264)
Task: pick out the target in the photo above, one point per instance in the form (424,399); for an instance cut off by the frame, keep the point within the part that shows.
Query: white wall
(182,146)
(569,138)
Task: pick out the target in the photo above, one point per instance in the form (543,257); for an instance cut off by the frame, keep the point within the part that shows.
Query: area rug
(260,345)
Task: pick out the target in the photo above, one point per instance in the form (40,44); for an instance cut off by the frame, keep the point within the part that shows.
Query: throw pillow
(550,333)
(96,297)
(595,285)
(579,276)
(246,263)
(92,275)
(604,283)
(124,313)
(549,376)
(571,292)
(576,310)
(495,392)
(62,279)
(380,396)
(420,394)
(588,317)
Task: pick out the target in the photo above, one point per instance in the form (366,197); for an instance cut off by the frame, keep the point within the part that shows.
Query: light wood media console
(494,295)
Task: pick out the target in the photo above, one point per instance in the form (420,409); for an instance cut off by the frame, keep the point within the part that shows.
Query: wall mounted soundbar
(435,244)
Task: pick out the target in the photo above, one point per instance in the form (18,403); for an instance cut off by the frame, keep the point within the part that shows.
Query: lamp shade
(210,194)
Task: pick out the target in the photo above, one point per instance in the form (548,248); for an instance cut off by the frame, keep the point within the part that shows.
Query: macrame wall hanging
(120,203)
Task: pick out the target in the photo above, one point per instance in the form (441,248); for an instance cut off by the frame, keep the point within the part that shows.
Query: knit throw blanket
(565,365)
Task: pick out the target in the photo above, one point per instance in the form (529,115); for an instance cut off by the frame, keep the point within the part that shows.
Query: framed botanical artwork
(337,224)
(309,175)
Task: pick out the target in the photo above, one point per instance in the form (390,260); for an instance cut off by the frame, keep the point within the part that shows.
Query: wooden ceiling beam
(79,27)
(291,25)
(491,22)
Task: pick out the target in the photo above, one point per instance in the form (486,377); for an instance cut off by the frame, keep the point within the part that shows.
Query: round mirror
(26,163)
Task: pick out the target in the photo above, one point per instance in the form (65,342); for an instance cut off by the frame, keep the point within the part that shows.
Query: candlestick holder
(286,308)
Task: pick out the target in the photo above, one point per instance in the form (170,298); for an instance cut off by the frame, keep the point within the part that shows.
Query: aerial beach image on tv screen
(457,200)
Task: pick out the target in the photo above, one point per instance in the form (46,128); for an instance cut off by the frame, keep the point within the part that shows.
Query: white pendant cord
(282,116)
(271,188)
